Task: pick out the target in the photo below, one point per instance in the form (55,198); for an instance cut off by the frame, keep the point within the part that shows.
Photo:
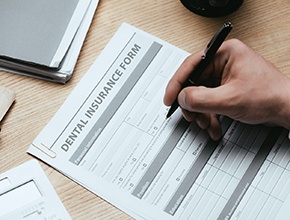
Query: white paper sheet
(111,136)
(26,193)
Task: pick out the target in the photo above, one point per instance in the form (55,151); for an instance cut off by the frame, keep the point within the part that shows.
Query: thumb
(205,100)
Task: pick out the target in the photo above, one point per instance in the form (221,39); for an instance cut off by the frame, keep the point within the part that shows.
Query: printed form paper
(26,193)
(111,136)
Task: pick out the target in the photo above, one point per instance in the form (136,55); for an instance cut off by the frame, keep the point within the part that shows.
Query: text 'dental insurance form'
(111,136)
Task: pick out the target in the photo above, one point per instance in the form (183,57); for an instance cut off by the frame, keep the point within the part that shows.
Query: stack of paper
(26,193)
(42,38)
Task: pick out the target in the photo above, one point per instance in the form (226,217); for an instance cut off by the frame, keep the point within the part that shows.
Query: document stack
(43,39)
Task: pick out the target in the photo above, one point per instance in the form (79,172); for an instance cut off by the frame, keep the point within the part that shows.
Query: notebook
(37,36)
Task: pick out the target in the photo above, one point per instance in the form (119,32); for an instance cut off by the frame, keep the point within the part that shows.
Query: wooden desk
(263,25)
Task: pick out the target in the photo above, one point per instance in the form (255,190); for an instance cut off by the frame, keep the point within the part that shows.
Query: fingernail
(181,98)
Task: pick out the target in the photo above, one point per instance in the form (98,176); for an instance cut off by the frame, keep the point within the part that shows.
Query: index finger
(175,83)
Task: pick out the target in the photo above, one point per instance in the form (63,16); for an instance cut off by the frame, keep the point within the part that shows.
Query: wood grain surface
(263,25)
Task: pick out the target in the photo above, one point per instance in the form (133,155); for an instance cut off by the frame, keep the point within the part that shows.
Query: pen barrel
(194,77)
(188,83)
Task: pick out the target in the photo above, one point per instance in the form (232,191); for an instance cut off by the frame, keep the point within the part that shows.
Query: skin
(238,83)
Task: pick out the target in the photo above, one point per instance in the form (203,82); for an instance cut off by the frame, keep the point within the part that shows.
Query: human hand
(238,83)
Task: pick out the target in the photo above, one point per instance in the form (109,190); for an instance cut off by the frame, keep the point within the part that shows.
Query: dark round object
(212,8)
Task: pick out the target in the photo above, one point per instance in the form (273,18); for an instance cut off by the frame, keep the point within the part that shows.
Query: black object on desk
(208,55)
(212,8)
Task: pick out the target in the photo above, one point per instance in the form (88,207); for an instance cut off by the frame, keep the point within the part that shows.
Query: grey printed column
(114,105)
(250,174)
(160,159)
(194,171)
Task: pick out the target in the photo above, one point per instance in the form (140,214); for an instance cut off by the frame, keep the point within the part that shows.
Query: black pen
(208,55)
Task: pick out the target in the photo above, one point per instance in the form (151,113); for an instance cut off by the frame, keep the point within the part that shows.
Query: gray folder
(43,38)
(32,30)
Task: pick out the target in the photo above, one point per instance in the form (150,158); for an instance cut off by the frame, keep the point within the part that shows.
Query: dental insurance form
(111,136)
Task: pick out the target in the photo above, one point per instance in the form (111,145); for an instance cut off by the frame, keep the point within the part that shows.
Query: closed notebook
(39,33)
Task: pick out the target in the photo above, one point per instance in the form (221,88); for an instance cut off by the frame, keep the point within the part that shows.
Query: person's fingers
(175,83)
(207,100)
(189,116)
(210,77)
(203,120)
(214,129)
(210,123)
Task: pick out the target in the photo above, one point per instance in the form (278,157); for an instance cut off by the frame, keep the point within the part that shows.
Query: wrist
(283,116)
